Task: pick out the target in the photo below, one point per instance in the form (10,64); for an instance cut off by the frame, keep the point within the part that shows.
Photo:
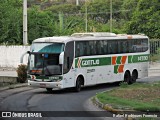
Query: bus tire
(134,76)
(49,89)
(78,84)
(127,77)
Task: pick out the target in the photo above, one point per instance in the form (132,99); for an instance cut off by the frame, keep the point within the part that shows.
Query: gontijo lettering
(90,62)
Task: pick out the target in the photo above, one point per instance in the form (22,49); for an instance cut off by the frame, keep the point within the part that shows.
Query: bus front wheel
(78,84)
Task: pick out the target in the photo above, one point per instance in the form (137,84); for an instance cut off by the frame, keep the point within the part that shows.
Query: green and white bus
(84,59)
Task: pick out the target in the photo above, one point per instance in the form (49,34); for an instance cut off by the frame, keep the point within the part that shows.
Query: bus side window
(88,51)
(81,48)
(115,49)
(120,47)
(84,44)
(95,52)
(130,43)
(134,46)
(112,47)
(77,49)
(91,46)
(99,48)
(138,46)
(109,47)
(105,50)
(144,45)
(125,47)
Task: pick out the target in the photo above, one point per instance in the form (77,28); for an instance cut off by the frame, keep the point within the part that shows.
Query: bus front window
(44,59)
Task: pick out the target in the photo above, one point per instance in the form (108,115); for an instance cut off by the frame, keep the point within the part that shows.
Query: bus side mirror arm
(21,59)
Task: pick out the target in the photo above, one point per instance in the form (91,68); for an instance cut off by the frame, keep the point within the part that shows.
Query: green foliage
(40,23)
(62,17)
(10,22)
(145,19)
(155,57)
(158,51)
(22,73)
(65,8)
(128,7)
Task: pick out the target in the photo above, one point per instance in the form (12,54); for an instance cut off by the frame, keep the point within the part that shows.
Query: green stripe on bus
(118,61)
(116,69)
(42,77)
(138,58)
(90,62)
(130,59)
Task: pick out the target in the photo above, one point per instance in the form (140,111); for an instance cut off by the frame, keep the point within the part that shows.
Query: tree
(11,22)
(40,23)
(146,19)
(128,7)
(64,8)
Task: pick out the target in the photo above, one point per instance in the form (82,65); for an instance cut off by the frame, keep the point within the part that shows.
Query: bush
(22,73)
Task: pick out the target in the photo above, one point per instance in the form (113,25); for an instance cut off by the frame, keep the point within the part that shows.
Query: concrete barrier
(7,80)
(8,77)
(10,56)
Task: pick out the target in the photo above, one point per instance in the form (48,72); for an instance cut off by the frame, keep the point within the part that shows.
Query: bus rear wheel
(134,76)
(127,77)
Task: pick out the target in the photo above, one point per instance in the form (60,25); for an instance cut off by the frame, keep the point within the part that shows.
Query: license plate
(42,85)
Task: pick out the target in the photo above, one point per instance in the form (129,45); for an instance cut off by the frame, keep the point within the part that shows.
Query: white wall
(10,55)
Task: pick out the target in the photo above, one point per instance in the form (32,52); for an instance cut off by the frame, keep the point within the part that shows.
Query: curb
(109,108)
(105,106)
(13,86)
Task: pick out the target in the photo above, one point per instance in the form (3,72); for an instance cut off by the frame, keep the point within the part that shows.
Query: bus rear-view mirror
(61,58)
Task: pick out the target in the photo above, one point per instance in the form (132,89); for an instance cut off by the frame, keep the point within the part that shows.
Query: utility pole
(77,2)
(86,28)
(60,22)
(110,15)
(25,42)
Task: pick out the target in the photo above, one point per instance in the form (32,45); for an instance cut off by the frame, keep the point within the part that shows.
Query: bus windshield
(44,59)
(47,47)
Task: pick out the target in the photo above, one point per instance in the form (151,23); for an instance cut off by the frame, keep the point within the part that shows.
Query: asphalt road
(29,99)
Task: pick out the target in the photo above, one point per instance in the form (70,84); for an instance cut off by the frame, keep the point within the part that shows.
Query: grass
(154,57)
(138,96)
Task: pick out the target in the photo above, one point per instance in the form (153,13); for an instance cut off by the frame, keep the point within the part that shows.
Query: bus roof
(58,39)
(89,36)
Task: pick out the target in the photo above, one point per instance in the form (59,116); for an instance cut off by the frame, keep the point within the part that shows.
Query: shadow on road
(83,89)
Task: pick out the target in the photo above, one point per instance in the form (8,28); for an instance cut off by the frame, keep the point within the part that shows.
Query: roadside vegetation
(155,57)
(64,17)
(138,96)
(22,73)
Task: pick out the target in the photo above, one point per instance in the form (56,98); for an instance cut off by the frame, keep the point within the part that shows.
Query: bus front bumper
(45,84)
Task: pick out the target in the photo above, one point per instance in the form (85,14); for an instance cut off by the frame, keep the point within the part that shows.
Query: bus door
(68,70)
(69,78)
